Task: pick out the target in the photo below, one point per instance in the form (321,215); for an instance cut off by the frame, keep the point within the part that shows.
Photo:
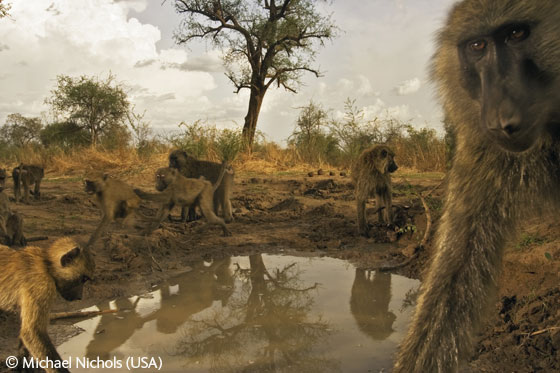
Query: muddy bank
(299,215)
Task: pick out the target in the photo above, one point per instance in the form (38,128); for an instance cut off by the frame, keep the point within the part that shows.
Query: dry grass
(268,158)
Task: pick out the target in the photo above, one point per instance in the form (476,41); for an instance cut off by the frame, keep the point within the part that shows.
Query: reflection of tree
(265,327)
(369,303)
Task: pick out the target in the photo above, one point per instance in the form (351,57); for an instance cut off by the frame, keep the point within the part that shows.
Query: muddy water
(260,313)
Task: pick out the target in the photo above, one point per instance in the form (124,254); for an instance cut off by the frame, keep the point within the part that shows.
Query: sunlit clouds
(380,59)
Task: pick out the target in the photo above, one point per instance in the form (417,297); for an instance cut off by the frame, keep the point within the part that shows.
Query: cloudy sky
(379,59)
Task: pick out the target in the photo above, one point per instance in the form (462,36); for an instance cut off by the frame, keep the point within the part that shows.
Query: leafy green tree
(64,135)
(93,104)
(20,131)
(310,137)
(354,132)
(265,42)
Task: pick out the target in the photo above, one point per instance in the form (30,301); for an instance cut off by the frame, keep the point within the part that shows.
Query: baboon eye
(477,45)
(517,33)
(384,153)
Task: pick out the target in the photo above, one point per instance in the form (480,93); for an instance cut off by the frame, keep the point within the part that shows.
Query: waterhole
(258,313)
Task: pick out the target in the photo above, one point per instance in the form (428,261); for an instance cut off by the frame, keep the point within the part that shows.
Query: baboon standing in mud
(191,167)
(29,281)
(11,224)
(185,192)
(27,175)
(115,199)
(497,68)
(371,174)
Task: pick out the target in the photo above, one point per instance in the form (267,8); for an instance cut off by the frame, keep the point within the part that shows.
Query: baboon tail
(150,196)
(225,166)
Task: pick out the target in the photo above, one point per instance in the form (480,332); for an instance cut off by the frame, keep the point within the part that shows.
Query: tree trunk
(250,126)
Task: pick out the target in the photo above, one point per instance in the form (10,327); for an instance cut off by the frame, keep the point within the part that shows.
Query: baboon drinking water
(185,192)
(115,199)
(371,174)
(497,68)
(29,281)
(11,224)
(26,175)
(191,167)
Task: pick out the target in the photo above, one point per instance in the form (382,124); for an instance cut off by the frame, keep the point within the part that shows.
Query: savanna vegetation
(92,124)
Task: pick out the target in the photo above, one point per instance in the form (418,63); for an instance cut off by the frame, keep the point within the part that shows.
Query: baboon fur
(371,174)
(177,190)
(116,200)
(29,281)
(497,69)
(191,167)
(26,175)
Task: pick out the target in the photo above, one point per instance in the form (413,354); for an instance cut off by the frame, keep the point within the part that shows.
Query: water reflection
(258,313)
(268,324)
(369,303)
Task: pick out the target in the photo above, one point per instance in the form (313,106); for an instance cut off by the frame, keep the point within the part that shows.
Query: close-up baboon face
(511,81)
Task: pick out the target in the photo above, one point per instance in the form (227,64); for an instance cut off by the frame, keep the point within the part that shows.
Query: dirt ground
(294,213)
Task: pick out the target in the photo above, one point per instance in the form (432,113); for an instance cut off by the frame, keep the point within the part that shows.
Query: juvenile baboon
(371,174)
(11,224)
(27,175)
(497,67)
(29,281)
(191,167)
(185,192)
(115,199)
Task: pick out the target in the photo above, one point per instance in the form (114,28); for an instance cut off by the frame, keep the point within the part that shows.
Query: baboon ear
(69,257)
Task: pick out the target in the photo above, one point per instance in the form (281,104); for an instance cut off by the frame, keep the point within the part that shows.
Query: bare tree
(265,42)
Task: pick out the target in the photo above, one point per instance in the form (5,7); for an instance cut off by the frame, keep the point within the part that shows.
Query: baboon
(371,174)
(191,167)
(27,174)
(29,281)
(497,67)
(177,189)
(115,199)
(11,224)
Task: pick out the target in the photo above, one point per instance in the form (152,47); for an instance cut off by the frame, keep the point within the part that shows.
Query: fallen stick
(38,238)
(539,332)
(77,314)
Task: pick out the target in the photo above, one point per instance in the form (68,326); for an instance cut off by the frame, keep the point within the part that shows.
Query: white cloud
(382,111)
(94,37)
(408,87)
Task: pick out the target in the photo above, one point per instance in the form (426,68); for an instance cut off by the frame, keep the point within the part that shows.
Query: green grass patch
(528,240)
